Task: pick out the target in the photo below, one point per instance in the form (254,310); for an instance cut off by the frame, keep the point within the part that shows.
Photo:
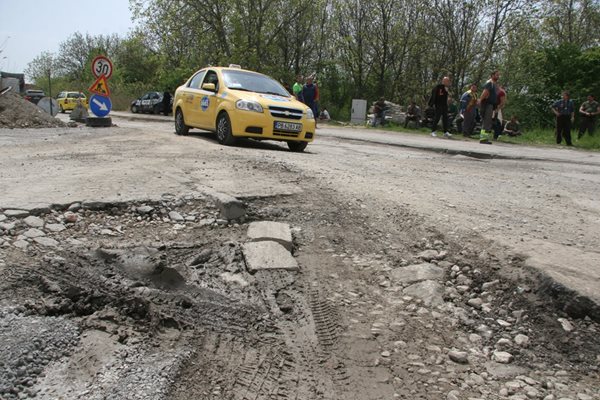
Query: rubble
(16,112)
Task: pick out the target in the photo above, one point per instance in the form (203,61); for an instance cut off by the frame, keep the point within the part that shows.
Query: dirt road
(415,279)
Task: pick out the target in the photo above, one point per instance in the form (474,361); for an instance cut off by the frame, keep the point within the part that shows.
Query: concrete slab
(268,255)
(279,232)
(229,206)
(429,291)
(417,272)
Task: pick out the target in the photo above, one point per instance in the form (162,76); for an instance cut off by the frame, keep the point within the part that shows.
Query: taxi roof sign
(100,87)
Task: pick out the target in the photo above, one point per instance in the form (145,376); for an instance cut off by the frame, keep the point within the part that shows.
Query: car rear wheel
(180,127)
(156,109)
(224,135)
(297,147)
(62,110)
(134,109)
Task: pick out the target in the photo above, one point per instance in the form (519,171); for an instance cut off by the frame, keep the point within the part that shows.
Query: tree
(41,67)
(573,22)
(76,53)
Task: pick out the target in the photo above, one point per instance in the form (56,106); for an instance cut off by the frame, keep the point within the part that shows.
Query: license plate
(287,126)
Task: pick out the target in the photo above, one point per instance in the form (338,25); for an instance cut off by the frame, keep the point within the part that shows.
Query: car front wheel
(297,147)
(134,109)
(180,127)
(62,110)
(224,135)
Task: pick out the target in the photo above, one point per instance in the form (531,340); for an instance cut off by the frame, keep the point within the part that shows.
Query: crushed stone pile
(394,112)
(16,112)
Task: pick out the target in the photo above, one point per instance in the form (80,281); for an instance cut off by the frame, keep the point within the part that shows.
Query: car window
(146,96)
(211,77)
(155,95)
(61,95)
(253,82)
(196,80)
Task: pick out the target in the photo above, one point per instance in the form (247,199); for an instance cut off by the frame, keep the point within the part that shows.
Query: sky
(30,27)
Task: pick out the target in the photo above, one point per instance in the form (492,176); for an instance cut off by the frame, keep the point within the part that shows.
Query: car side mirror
(209,86)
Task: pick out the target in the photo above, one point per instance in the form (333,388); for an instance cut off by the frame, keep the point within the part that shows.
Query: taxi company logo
(286,113)
(204,103)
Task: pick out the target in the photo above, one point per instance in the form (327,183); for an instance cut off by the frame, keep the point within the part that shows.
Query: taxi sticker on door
(204,103)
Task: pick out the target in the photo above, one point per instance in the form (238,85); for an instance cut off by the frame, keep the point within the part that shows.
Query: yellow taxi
(235,103)
(68,100)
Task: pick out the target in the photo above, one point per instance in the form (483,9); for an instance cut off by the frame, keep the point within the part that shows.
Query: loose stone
(34,222)
(55,227)
(175,216)
(522,340)
(33,233)
(502,357)
(475,303)
(459,357)
(71,217)
(566,325)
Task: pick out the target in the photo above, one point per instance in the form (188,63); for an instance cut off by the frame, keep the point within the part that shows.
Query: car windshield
(251,82)
(35,92)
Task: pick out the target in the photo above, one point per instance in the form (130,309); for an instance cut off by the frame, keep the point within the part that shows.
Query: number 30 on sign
(102,66)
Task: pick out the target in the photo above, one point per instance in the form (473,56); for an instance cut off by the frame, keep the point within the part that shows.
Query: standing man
(468,110)
(309,95)
(166,102)
(297,88)
(439,101)
(487,104)
(564,110)
(588,110)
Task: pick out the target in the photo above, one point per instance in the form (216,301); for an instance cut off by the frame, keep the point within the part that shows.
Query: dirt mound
(16,112)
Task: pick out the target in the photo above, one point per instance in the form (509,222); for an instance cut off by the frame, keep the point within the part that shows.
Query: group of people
(564,110)
(308,93)
(488,107)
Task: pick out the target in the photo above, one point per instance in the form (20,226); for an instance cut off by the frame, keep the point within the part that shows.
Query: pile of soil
(16,112)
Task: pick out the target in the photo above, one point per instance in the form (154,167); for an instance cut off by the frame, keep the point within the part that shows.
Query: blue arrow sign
(100,105)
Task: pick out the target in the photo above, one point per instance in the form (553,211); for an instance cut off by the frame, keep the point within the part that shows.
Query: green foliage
(393,48)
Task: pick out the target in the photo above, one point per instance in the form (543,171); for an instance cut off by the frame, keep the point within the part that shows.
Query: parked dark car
(34,95)
(150,102)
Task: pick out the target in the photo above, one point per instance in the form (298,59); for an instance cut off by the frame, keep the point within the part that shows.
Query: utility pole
(50,87)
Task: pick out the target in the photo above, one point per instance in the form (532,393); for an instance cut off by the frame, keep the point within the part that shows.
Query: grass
(533,137)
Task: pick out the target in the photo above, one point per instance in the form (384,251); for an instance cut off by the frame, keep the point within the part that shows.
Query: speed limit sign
(102,66)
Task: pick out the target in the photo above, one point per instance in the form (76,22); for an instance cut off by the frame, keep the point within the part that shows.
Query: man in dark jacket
(310,96)
(166,102)
(439,101)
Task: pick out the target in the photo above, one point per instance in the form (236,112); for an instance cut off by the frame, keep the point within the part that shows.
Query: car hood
(265,100)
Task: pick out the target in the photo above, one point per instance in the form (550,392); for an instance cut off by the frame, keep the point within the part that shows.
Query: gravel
(29,343)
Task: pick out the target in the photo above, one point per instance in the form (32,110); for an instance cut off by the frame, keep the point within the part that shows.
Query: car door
(208,101)
(145,105)
(190,99)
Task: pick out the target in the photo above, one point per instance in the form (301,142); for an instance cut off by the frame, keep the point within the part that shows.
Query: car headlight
(309,114)
(249,106)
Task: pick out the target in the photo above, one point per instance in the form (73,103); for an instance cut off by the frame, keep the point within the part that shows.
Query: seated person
(379,109)
(324,115)
(413,113)
(429,114)
(512,127)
